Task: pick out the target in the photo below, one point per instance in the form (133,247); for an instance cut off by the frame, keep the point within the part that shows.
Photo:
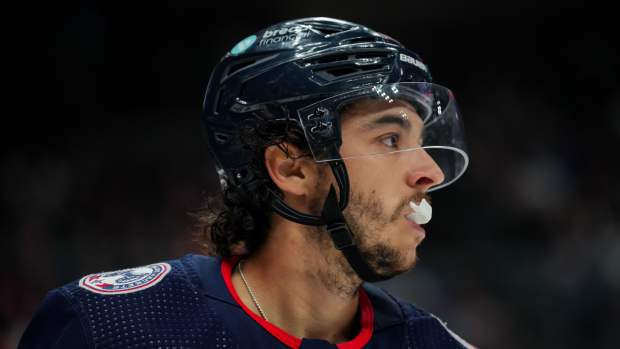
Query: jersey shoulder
(56,324)
(422,328)
(159,303)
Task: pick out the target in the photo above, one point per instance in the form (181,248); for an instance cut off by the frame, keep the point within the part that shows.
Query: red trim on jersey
(367,324)
(366,321)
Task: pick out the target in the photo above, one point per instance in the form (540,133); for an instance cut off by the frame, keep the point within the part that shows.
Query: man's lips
(417,228)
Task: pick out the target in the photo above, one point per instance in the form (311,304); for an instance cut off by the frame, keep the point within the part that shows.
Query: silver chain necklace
(252,295)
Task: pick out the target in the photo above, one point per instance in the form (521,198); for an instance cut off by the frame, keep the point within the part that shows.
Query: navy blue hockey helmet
(306,71)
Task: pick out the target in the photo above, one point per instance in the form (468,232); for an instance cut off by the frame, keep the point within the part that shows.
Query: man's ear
(293,174)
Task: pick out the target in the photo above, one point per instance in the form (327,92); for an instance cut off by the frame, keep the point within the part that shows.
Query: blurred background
(103,153)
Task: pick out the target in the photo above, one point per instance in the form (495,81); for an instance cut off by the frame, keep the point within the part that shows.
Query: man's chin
(408,263)
(389,265)
(406,255)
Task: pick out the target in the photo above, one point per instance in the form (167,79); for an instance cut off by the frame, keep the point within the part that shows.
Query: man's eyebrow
(387,119)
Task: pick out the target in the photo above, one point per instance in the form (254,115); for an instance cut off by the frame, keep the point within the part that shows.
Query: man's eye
(391,141)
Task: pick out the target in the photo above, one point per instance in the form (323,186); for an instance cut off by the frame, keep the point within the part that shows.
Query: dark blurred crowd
(107,157)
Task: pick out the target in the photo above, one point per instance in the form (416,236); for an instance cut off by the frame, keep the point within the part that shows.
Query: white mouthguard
(422,213)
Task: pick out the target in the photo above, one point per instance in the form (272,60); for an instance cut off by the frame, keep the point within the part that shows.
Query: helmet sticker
(285,36)
(411,60)
(243,45)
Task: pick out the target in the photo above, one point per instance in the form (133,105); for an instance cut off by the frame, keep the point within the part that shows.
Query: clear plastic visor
(412,127)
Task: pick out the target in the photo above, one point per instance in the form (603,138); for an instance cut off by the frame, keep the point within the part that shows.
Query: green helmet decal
(243,45)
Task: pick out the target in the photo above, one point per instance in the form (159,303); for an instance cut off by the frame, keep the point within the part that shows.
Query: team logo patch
(126,280)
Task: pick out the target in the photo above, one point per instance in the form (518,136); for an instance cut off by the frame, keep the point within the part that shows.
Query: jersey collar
(207,271)
(366,318)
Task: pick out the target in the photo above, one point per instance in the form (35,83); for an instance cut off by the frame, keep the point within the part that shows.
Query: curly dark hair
(238,222)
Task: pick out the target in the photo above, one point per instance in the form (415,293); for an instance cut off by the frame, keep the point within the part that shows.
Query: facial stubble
(368,221)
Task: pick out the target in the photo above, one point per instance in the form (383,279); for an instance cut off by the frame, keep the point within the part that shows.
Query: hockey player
(327,137)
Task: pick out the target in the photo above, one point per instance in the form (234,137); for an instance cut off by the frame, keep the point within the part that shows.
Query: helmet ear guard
(343,240)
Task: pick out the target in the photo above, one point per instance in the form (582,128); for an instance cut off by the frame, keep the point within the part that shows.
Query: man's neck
(300,288)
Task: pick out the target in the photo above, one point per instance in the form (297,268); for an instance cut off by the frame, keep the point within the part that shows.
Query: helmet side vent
(359,40)
(328,30)
(371,55)
(330,59)
(343,71)
(245,63)
(362,57)
(233,68)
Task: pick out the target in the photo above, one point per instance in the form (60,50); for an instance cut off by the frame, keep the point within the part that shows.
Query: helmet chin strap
(336,225)
(343,239)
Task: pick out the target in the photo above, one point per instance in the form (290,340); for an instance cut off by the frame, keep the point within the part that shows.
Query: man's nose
(424,172)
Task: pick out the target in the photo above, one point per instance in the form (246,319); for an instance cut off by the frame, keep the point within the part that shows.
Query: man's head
(329,124)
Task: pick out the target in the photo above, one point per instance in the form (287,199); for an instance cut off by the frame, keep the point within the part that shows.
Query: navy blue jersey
(190,303)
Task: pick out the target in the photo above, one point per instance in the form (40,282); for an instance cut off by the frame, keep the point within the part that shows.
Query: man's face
(383,184)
